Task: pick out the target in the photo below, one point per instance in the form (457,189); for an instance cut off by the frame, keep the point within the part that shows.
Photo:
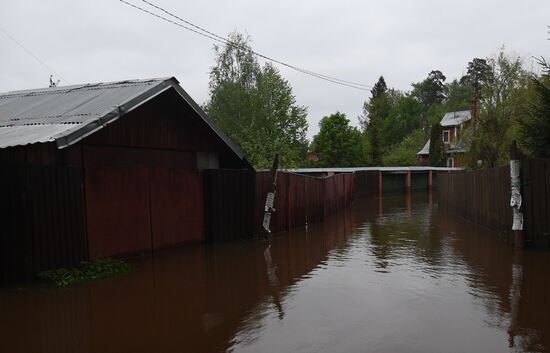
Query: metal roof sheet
(455,118)
(67,114)
(426,148)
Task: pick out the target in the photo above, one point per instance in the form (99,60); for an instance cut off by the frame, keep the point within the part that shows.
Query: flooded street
(388,275)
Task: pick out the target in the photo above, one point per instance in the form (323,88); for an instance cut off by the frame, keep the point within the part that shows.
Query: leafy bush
(404,153)
(98,268)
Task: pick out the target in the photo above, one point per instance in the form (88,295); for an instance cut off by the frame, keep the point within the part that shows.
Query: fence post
(379,183)
(515,200)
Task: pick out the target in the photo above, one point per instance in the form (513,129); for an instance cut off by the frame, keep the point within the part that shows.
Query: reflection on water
(388,275)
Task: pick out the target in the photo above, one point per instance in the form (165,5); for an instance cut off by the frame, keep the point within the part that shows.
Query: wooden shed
(104,169)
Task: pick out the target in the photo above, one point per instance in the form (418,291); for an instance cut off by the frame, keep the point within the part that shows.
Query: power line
(255,53)
(205,33)
(32,55)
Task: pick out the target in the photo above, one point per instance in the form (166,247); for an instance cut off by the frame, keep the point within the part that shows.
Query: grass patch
(98,268)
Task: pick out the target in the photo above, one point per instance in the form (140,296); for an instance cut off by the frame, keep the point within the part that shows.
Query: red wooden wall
(140,200)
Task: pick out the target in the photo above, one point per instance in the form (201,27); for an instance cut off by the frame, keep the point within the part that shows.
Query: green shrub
(98,268)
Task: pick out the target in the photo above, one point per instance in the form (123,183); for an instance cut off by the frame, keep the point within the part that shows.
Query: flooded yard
(388,275)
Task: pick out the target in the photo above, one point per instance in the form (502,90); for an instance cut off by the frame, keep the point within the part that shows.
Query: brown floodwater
(387,275)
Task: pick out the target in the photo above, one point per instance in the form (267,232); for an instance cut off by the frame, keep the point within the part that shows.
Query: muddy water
(389,275)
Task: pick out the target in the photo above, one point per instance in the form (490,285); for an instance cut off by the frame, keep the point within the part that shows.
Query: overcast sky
(106,40)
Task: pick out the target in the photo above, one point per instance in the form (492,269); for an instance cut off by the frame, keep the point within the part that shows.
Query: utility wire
(205,33)
(255,53)
(34,56)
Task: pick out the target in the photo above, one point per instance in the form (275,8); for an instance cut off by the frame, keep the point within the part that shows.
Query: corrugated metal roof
(455,118)
(67,114)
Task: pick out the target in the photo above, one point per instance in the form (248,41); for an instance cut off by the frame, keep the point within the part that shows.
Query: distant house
(106,169)
(312,157)
(455,126)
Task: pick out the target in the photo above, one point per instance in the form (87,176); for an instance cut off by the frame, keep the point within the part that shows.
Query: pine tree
(374,112)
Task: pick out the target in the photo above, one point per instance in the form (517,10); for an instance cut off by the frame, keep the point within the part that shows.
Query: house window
(446,136)
(450,162)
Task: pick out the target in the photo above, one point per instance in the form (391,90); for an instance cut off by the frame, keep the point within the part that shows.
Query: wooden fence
(42,220)
(229,202)
(536,200)
(44,224)
(484,197)
(302,199)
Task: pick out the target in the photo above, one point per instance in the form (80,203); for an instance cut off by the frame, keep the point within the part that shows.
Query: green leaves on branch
(535,127)
(98,268)
(338,144)
(254,105)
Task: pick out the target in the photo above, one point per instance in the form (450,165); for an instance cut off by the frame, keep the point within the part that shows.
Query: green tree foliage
(337,144)
(403,118)
(404,153)
(430,91)
(375,112)
(437,147)
(535,128)
(458,96)
(480,73)
(254,105)
(505,102)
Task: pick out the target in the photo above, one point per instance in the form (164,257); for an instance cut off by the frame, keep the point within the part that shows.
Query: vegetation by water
(98,268)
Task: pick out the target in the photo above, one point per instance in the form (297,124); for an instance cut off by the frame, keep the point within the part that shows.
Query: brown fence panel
(536,199)
(229,202)
(280,216)
(314,199)
(42,219)
(480,196)
(484,197)
(296,201)
(302,199)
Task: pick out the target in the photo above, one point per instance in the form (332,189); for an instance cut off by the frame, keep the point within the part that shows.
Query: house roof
(425,149)
(67,114)
(451,119)
(455,118)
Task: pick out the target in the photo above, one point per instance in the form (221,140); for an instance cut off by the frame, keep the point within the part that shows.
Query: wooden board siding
(139,199)
(166,124)
(118,210)
(301,199)
(176,206)
(481,196)
(42,217)
(229,201)
(536,200)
